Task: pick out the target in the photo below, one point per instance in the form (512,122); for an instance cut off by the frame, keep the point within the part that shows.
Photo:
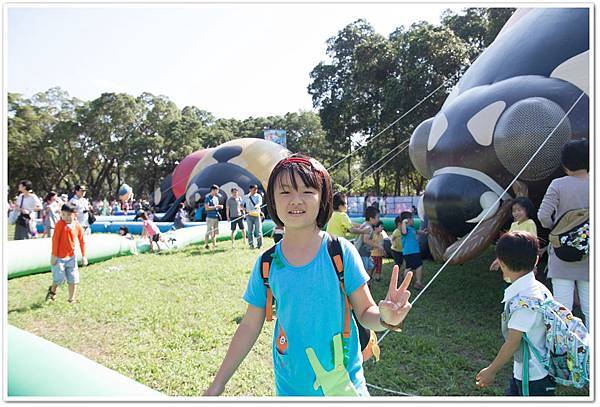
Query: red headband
(303,160)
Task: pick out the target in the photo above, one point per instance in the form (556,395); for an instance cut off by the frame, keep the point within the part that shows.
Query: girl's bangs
(310,177)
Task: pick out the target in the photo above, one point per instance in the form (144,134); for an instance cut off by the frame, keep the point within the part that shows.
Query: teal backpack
(566,356)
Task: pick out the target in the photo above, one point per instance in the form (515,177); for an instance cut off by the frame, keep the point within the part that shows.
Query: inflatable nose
(458,202)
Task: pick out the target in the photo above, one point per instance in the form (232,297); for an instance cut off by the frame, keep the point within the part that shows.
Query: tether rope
(394,122)
(490,208)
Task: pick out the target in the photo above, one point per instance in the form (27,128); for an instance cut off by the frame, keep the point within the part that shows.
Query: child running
(378,251)
(410,248)
(151,230)
(522,211)
(308,355)
(64,260)
(517,254)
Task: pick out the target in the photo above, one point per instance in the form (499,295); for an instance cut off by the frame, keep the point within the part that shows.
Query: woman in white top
(28,205)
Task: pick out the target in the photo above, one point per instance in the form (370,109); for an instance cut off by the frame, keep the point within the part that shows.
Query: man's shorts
(398,258)
(212,225)
(367,262)
(413,261)
(156,237)
(239,222)
(65,269)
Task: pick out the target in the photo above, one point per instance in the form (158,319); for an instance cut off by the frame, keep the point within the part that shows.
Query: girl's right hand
(213,390)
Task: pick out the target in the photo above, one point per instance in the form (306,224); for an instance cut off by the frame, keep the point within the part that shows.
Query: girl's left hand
(395,307)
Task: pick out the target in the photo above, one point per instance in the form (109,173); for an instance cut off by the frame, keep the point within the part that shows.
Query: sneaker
(206,247)
(50,295)
(73,301)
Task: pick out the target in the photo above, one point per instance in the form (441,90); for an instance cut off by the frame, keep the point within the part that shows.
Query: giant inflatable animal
(182,173)
(493,121)
(237,163)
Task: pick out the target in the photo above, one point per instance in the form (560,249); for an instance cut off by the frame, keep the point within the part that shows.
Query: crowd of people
(295,275)
(301,203)
(27,207)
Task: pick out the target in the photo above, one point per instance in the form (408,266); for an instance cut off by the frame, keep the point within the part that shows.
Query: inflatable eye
(520,131)
(191,195)
(157,195)
(481,126)
(417,149)
(439,126)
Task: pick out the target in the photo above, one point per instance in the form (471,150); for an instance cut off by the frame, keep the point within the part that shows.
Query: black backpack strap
(334,248)
(265,267)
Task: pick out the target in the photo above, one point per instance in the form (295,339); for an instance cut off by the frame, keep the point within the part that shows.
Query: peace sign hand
(395,307)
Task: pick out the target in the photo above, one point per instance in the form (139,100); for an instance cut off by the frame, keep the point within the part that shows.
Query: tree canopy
(366,83)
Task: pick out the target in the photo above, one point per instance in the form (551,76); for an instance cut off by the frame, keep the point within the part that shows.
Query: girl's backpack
(566,357)
(366,337)
(571,235)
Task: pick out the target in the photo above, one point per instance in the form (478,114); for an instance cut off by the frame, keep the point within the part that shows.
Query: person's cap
(80,188)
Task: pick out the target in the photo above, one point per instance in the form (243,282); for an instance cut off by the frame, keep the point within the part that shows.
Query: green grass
(166,320)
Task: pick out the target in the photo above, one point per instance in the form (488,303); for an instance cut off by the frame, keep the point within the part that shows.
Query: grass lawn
(166,320)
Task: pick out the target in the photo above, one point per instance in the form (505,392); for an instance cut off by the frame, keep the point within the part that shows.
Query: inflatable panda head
(506,104)
(237,164)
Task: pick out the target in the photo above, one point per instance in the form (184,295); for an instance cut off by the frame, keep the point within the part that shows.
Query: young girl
(378,251)
(151,230)
(51,213)
(522,212)
(307,352)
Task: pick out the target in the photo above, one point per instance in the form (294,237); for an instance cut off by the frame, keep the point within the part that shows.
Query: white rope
(491,207)
(395,121)
(390,391)
(382,165)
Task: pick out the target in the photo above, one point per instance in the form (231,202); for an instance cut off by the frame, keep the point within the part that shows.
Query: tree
(477,27)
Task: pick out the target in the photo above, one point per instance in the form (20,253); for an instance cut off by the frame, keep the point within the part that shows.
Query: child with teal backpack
(316,349)
(549,345)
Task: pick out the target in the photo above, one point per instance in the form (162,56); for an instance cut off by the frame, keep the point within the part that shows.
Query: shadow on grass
(201,251)
(32,307)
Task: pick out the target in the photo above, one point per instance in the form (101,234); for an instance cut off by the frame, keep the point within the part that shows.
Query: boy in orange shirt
(63,259)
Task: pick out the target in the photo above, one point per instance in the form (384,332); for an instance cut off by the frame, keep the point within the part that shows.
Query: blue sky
(234,60)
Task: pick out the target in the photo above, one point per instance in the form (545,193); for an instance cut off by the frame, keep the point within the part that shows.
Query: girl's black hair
(27,184)
(312,174)
(50,195)
(397,220)
(524,202)
(339,199)
(406,215)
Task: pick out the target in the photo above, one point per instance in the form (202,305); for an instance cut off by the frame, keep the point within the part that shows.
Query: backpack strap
(334,248)
(525,378)
(265,261)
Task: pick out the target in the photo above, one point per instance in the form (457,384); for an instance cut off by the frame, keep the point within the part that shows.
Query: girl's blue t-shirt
(309,313)
(410,244)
